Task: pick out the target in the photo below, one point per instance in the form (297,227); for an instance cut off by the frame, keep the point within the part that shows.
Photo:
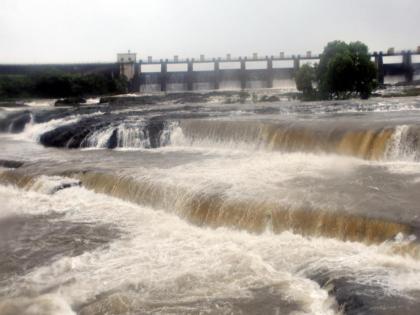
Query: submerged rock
(271,98)
(106,131)
(73,135)
(72,101)
(15,122)
(128,100)
(22,251)
(13,104)
(65,186)
(356,297)
(10,163)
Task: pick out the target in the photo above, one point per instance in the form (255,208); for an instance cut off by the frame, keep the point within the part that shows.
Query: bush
(346,69)
(305,77)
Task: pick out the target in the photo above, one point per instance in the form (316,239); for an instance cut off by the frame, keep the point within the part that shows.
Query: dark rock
(15,122)
(358,298)
(113,140)
(70,136)
(72,101)
(65,186)
(12,104)
(119,100)
(272,98)
(155,129)
(31,241)
(76,135)
(11,164)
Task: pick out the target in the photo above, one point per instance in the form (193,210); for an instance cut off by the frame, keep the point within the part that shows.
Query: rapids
(211,208)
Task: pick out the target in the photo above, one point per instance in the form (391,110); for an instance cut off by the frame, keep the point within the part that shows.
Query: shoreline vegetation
(60,85)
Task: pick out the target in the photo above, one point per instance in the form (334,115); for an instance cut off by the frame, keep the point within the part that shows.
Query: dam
(251,72)
(228,73)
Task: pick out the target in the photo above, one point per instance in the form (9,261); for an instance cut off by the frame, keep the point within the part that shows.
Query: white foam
(252,174)
(51,184)
(99,139)
(165,259)
(93,100)
(48,304)
(399,147)
(191,263)
(33,131)
(41,103)
(133,136)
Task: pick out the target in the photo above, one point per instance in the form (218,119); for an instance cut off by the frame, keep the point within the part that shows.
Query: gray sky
(95,30)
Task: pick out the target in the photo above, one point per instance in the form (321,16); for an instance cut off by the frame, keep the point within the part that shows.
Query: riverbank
(59,85)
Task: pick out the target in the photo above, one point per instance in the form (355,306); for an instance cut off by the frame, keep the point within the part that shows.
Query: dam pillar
(408,66)
(242,73)
(216,74)
(190,74)
(135,82)
(296,63)
(379,62)
(270,74)
(163,75)
(140,76)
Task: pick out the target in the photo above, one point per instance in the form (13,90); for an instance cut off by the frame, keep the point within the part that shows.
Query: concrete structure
(407,65)
(216,74)
(128,62)
(267,75)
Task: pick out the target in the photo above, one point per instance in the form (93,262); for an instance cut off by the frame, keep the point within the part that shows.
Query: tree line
(57,85)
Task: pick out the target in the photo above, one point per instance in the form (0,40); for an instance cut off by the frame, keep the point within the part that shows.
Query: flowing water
(211,208)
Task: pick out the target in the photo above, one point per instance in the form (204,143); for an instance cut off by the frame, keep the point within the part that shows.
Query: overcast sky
(95,30)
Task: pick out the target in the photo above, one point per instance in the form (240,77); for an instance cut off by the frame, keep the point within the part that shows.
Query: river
(211,208)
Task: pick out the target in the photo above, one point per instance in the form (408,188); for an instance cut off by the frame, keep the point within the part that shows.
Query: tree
(346,69)
(304,77)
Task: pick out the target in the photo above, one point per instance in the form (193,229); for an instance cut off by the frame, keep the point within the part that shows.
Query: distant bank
(177,75)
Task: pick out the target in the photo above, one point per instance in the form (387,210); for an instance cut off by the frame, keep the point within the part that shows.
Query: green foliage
(11,86)
(305,77)
(346,69)
(56,85)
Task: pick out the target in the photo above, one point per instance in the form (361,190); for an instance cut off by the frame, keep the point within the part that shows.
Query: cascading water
(130,136)
(381,143)
(404,144)
(279,208)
